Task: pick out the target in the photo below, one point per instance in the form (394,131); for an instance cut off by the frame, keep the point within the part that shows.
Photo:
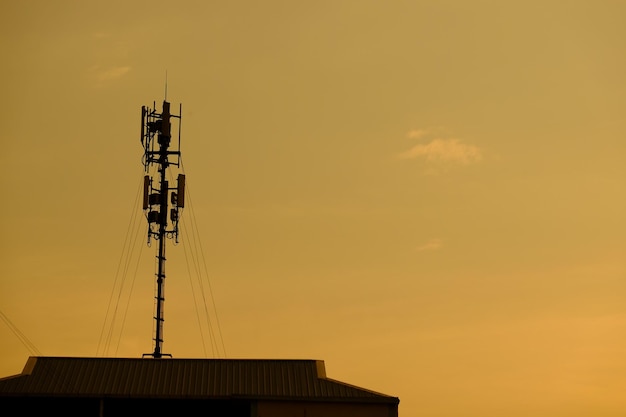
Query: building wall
(315,409)
(95,407)
(117,407)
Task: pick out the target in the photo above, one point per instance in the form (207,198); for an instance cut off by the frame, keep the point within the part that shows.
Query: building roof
(183,378)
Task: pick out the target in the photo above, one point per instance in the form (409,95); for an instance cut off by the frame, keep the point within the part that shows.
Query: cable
(130,294)
(21,336)
(196,244)
(195,302)
(196,237)
(123,255)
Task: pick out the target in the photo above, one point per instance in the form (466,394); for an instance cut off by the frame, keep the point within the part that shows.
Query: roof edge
(321,369)
(30,365)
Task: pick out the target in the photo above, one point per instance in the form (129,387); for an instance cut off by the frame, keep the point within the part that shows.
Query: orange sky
(427,195)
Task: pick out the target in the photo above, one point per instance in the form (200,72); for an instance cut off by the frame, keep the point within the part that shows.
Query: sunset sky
(430,196)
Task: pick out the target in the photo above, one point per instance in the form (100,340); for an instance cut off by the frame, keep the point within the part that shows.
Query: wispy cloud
(102,75)
(430,131)
(444,150)
(416,133)
(111,73)
(441,150)
(433,244)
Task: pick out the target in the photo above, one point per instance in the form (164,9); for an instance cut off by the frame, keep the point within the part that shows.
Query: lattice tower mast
(157,195)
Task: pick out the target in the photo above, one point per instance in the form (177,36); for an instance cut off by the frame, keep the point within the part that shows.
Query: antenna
(165,97)
(157,195)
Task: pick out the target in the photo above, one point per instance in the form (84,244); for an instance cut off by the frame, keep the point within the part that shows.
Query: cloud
(420,133)
(109,74)
(433,244)
(416,133)
(444,150)
(113,73)
(440,150)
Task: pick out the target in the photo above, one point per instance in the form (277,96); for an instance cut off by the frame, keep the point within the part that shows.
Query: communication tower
(159,155)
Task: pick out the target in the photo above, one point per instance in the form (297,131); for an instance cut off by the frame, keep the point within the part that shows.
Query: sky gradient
(428,195)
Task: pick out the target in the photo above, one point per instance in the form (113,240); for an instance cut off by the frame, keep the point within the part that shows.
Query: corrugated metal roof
(183,378)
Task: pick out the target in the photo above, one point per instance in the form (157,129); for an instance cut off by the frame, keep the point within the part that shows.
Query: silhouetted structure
(156,138)
(160,386)
(186,387)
